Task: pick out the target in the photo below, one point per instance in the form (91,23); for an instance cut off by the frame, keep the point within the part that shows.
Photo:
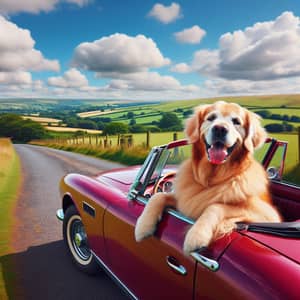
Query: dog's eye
(236,121)
(211,117)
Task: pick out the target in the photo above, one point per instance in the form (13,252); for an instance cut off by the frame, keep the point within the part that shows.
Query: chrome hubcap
(79,240)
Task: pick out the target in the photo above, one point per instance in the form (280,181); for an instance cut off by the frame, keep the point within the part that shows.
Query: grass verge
(9,184)
(127,156)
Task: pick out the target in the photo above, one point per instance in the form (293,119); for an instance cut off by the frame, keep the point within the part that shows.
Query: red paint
(252,265)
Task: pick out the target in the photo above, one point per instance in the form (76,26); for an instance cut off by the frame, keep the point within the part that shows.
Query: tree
(264,113)
(130,115)
(138,128)
(20,130)
(87,124)
(132,122)
(170,121)
(115,128)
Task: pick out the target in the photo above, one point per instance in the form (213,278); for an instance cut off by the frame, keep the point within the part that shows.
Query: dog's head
(223,128)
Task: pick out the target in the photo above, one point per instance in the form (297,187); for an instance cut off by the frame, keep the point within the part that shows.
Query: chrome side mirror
(273,173)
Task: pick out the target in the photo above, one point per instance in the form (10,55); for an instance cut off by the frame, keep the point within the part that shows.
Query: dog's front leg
(204,229)
(151,215)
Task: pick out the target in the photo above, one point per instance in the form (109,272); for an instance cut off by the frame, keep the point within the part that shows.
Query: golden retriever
(221,183)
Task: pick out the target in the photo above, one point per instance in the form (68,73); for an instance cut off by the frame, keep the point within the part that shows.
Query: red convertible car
(257,261)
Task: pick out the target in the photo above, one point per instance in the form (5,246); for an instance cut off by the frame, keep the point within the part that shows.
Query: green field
(278,104)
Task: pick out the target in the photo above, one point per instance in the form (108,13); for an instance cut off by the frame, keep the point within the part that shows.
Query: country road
(43,269)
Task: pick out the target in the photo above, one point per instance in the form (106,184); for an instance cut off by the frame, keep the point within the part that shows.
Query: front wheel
(76,241)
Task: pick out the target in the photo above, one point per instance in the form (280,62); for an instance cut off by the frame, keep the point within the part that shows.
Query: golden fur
(216,196)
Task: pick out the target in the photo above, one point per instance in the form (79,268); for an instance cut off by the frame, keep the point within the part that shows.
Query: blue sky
(148,49)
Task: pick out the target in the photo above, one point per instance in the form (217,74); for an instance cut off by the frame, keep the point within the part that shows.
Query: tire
(76,242)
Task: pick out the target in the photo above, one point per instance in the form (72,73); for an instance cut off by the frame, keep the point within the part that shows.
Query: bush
(20,130)
(279,127)
(264,113)
(137,128)
(170,121)
(114,128)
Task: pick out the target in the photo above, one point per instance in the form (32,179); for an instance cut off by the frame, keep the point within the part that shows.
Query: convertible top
(284,229)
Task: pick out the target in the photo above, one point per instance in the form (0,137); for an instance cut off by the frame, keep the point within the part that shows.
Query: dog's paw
(195,240)
(143,228)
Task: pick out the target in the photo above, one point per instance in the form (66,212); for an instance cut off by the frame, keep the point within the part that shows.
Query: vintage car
(257,261)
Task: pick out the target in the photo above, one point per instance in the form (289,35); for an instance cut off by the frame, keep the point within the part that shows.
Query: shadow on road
(46,272)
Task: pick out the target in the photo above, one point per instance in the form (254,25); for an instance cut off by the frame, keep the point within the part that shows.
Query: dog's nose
(219,131)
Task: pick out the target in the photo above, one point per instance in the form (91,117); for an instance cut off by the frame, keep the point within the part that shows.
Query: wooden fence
(120,140)
(146,140)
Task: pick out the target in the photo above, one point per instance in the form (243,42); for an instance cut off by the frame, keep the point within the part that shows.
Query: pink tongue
(217,155)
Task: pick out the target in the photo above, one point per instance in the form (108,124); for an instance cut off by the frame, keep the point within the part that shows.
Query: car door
(154,268)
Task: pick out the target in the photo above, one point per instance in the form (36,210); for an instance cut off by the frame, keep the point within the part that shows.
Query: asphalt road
(40,263)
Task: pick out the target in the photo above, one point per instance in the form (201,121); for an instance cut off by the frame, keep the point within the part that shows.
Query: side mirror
(273,173)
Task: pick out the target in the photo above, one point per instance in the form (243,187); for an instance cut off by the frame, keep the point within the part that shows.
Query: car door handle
(173,264)
(211,264)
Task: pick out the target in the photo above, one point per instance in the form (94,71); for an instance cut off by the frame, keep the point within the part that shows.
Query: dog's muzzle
(217,151)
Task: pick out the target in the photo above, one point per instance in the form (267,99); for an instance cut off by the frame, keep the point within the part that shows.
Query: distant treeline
(168,122)
(266,114)
(20,130)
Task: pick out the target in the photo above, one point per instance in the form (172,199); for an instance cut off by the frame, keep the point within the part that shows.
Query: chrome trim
(180,269)
(60,214)
(286,183)
(170,211)
(211,264)
(100,261)
(92,213)
(180,216)
(142,200)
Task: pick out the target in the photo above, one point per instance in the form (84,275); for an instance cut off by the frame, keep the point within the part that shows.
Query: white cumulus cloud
(150,81)
(192,35)
(265,51)
(118,53)
(165,14)
(181,68)
(17,50)
(70,79)
(19,77)
(34,6)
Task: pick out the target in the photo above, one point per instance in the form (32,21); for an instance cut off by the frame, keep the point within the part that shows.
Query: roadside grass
(127,156)
(9,183)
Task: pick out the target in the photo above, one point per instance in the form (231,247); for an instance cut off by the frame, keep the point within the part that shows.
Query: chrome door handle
(172,263)
(211,264)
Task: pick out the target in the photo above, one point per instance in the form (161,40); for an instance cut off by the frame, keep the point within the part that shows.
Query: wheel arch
(67,201)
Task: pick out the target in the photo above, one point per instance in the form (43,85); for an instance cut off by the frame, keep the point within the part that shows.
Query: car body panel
(250,265)
(143,266)
(250,270)
(280,244)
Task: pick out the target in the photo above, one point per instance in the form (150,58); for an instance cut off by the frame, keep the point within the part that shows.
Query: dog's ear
(192,125)
(255,133)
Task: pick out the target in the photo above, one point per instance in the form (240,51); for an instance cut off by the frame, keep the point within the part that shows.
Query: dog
(221,184)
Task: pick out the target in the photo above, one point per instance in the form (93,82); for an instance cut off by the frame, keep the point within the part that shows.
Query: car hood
(119,178)
(289,247)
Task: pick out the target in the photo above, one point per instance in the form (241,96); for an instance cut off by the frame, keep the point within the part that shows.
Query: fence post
(130,141)
(148,139)
(175,137)
(298,144)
